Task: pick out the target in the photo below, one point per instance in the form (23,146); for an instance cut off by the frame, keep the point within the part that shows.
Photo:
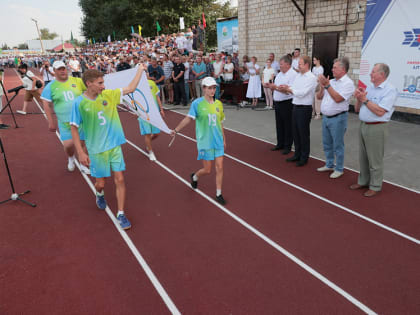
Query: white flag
(181,23)
(142,96)
(109,38)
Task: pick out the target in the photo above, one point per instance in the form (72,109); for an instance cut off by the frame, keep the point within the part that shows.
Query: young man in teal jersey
(60,94)
(211,142)
(96,109)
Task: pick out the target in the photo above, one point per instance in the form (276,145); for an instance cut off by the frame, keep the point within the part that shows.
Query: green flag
(94,40)
(113,33)
(158,28)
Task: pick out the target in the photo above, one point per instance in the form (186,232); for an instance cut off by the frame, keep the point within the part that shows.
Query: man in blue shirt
(199,70)
(375,105)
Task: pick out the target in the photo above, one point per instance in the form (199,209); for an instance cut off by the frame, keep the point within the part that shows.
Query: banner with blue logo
(392,36)
(227,35)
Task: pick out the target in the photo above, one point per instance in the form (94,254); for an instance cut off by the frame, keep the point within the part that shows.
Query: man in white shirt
(283,105)
(75,67)
(335,95)
(376,105)
(303,90)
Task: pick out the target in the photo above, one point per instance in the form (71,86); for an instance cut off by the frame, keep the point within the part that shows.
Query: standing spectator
(376,105)
(75,68)
(274,63)
(228,70)
(167,70)
(191,80)
(155,72)
(295,60)
(186,77)
(303,90)
(199,70)
(47,72)
(335,95)
(195,37)
(218,72)
(268,77)
(283,105)
(317,70)
(178,78)
(83,64)
(123,65)
(235,61)
(209,67)
(254,84)
(201,36)
(245,61)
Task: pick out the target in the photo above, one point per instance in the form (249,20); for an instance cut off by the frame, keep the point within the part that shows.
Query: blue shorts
(101,164)
(210,155)
(65,131)
(147,128)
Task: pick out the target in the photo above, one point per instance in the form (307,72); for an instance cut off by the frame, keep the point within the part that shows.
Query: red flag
(204,21)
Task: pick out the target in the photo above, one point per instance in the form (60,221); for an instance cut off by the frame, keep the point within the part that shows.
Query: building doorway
(325,47)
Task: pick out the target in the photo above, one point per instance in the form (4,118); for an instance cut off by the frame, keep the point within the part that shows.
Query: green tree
(102,17)
(46,35)
(22,46)
(5,47)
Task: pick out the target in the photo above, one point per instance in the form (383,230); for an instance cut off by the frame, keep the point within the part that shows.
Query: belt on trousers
(303,106)
(375,122)
(332,116)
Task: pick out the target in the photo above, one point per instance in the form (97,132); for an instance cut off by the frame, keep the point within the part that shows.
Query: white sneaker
(336,174)
(152,156)
(21,112)
(267,107)
(324,169)
(71,165)
(85,169)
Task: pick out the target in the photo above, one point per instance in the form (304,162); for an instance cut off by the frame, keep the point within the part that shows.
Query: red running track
(207,262)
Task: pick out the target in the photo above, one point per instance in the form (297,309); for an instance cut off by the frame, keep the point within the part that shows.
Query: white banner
(141,97)
(392,36)
(181,23)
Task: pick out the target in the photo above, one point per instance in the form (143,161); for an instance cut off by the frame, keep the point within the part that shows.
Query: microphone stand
(14,196)
(9,103)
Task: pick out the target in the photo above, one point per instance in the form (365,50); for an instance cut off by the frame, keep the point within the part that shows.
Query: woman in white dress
(254,84)
(268,77)
(317,70)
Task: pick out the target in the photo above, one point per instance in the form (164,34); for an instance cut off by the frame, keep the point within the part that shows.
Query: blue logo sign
(412,38)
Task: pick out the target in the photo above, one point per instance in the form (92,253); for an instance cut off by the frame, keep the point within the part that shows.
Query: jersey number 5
(212,119)
(102,118)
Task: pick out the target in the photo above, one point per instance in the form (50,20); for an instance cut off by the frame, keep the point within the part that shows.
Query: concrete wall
(267,26)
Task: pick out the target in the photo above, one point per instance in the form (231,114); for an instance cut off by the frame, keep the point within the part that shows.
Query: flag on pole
(94,40)
(109,38)
(139,30)
(181,23)
(158,28)
(132,29)
(113,33)
(204,21)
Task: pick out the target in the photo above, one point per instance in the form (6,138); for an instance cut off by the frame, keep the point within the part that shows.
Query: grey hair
(287,59)
(384,68)
(344,62)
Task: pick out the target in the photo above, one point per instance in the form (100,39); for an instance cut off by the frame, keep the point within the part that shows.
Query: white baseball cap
(208,81)
(58,64)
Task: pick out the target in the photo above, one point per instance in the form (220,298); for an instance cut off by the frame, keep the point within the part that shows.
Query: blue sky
(58,16)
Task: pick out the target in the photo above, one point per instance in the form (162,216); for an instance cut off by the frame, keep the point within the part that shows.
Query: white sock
(120,212)
(71,158)
(218,192)
(195,177)
(100,193)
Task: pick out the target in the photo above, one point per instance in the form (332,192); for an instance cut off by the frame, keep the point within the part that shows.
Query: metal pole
(39,35)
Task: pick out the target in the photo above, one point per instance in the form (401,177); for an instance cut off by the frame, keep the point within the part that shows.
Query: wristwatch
(327,86)
(365,102)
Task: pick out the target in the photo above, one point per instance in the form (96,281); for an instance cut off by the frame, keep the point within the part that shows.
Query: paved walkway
(402,155)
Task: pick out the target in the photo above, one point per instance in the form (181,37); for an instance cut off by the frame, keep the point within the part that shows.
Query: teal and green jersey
(101,123)
(62,95)
(208,123)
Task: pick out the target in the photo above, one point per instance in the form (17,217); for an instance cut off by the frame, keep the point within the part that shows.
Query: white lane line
(153,279)
(314,157)
(265,238)
(381,225)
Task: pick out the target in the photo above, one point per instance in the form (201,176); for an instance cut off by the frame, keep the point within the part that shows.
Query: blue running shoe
(124,223)
(100,202)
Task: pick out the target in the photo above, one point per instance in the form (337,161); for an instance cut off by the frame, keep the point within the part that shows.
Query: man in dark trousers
(179,86)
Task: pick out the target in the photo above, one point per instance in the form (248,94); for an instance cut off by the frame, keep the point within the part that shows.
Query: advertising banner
(392,36)
(227,35)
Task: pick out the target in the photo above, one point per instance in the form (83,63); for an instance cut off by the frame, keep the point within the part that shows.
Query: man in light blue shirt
(375,106)
(199,70)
